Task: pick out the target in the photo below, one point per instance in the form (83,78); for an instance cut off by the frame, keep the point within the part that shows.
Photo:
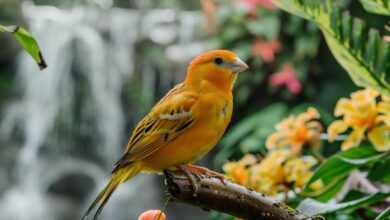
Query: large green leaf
(385,215)
(359,50)
(260,123)
(28,43)
(312,207)
(377,6)
(380,171)
(337,167)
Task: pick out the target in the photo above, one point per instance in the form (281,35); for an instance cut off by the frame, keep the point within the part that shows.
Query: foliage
(311,207)
(246,136)
(377,6)
(271,173)
(28,43)
(279,59)
(345,166)
(358,49)
(339,166)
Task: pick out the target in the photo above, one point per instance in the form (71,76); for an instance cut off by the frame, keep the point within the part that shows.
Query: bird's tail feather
(117,179)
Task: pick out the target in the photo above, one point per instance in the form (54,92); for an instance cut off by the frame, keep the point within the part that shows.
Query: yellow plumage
(184,125)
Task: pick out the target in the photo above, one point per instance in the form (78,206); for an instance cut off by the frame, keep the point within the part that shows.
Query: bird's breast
(211,117)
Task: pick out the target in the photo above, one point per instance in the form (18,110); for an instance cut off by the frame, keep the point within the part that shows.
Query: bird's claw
(196,170)
(192,171)
(189,174)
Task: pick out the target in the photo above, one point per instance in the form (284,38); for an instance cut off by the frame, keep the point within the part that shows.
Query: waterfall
(71,123)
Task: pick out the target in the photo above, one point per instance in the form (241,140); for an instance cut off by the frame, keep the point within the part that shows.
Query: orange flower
(366,117)
(238,171)
(296,132)
(278,172)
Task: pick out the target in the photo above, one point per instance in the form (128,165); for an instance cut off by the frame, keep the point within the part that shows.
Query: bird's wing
(169,118)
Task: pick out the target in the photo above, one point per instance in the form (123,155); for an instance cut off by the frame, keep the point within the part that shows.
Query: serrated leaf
(359,50)
(28,43)
(312,207)
(376,6)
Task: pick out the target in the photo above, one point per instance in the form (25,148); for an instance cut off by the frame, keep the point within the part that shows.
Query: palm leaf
(359,50)
(377,6)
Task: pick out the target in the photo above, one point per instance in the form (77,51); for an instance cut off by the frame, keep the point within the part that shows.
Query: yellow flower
(278,172)
(268,176)
(298,171)
(297,132)
(238,171)
(364,116)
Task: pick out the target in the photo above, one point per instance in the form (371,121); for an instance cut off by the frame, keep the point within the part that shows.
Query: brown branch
(229,198)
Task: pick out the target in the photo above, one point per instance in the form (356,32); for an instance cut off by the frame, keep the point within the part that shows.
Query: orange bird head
(217,67)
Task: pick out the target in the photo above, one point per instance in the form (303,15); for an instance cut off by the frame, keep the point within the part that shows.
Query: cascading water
(70,119)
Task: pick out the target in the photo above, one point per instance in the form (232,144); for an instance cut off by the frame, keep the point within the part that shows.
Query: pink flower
(152,215)
(252,5)
(267,4)
(266,50)
(286,77)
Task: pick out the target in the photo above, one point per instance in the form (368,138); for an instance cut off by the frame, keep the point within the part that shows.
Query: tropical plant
(27,41)
(343,165)
(360,50)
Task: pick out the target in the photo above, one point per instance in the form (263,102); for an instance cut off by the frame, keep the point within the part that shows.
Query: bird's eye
(218,61)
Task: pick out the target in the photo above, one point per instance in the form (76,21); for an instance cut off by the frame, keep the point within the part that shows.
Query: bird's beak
(239,66)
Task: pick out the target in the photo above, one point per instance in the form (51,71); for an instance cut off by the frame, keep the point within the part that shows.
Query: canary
(183,126)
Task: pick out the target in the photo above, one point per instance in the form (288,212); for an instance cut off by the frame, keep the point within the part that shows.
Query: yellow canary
(183,126)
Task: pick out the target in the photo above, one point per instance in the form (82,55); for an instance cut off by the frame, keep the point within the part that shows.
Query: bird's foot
(187,172)
(203,170)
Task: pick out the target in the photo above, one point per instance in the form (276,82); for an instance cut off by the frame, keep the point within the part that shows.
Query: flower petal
(310,114)
(273,140)
(379,137)
(384,108)
(364,95)
(336,128)
(385,98)
(286,124)
(353,139)
(344,106)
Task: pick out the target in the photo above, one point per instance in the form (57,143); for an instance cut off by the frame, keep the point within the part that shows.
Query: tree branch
(229,198)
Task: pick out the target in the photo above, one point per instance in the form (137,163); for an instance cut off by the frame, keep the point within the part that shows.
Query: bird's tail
(118,177)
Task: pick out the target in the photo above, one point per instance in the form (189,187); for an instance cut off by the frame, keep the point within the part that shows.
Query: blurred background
(109,61)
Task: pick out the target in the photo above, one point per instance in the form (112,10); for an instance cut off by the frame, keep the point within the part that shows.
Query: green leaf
(380,171)
(266,27)
(337,167)
(28,43)
(358,49)
(385,215)
(265,118)
(312,207)
(329,191)
(376,6)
